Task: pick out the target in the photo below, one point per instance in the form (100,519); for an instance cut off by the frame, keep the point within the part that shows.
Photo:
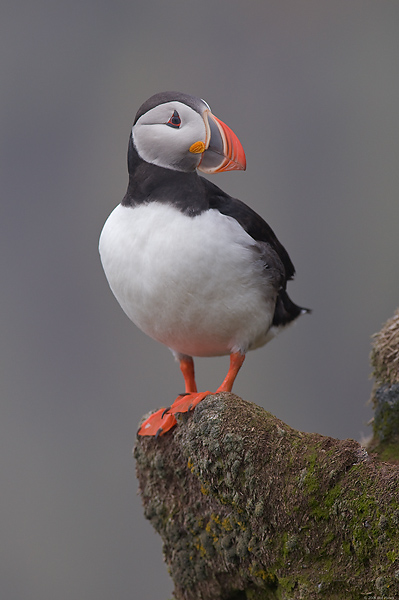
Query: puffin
(194,268)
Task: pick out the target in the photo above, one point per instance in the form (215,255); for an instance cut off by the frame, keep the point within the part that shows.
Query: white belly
(192,283)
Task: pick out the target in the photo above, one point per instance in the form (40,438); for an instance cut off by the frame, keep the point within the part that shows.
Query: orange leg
(236,361)
(163,419)
(187,368)
(189,400)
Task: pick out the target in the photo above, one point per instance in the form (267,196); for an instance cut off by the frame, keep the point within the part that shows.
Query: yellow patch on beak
(197,148)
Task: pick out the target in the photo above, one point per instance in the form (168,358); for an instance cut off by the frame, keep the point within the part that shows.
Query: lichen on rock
(385,395)
(385,352)
(249,508)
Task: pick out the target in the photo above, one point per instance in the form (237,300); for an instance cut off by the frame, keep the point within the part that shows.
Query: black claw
(165,411)
(190,408)
(158,433)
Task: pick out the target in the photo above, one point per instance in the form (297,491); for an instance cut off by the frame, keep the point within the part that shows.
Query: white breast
(192,283)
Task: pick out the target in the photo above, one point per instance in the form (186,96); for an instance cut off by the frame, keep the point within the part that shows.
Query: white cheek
(150,140)
(168,147)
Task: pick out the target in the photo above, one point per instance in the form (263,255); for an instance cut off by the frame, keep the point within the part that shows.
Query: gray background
(312,91)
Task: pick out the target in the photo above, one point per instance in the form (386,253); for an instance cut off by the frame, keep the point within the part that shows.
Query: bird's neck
(150,183)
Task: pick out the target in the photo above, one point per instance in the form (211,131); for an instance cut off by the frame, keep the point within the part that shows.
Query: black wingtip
(286,310)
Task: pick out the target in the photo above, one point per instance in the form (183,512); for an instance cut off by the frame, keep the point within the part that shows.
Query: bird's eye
(175,120)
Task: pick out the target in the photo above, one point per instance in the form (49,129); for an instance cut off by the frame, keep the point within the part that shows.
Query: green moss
(394,507)
(386,417)
(330,537)
(388,451)
(307,478)
(320,506)
(347,548)
(287,585)
(291,543)
(393,555)
(306,521)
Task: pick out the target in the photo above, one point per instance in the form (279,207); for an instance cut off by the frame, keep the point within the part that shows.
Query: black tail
(286,311)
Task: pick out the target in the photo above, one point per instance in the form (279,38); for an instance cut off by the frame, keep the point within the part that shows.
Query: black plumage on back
(286,311)
(192,195)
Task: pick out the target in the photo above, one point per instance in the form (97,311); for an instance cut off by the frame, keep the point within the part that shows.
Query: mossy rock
(385,397)
(250,509)
(385,353)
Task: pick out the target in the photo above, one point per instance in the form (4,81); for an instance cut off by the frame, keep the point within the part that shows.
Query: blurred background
(312,90)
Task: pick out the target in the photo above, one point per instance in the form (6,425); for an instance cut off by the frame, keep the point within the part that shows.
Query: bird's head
(179,132)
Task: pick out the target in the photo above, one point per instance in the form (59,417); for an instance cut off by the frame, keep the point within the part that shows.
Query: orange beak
(223,149)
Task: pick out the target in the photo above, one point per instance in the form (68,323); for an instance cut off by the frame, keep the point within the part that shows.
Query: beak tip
(225,153)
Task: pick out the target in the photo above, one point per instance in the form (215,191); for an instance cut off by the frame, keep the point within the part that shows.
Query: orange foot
(163,420)
(158,423)
(186,402)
